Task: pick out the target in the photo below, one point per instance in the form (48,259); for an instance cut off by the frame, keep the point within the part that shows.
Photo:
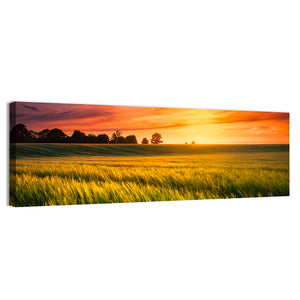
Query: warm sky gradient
(176,125)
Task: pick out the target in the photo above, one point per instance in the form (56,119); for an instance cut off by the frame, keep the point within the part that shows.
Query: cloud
(251,116)
(31,107)
(148,127)
(14,115)
(53,116)
(260,128)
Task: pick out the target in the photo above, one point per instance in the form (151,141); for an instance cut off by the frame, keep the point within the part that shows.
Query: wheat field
(38,180)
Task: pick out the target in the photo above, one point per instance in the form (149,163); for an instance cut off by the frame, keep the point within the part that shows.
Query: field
(59,174)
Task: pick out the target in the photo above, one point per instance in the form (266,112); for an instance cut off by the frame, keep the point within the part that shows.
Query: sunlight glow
(176,125)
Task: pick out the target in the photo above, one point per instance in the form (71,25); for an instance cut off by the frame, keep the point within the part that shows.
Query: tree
(91,138)
(116,137)
(131,139)
(145,141)
(78,137)
(42,135)
(102,139)
(34,134)
(56,136)
(20,134)
(156,138)
(121,140)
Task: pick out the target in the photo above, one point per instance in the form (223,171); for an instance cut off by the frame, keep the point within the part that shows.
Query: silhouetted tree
(102,139)
(56,136)
(78,137)
(145,141)
(20,134)
(121,140)
(34,134)
(156,138)
(91,138)
(42,135)
(131,139)
(116,137)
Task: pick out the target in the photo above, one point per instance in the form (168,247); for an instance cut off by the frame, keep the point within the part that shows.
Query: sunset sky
(176,125)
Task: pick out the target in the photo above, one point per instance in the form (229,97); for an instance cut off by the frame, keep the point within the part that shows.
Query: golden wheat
(98,179)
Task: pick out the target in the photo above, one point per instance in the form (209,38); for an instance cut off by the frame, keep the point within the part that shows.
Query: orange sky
(176,125)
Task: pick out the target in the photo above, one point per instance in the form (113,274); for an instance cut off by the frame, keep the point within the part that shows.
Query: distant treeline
(20,134)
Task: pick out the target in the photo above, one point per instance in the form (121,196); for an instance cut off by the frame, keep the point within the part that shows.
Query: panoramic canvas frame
(63,154)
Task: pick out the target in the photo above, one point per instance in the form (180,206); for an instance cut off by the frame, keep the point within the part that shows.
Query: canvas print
(64,154)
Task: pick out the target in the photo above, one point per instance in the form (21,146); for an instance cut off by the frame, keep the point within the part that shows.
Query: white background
(199,54)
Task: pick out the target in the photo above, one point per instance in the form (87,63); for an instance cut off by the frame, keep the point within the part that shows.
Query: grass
(45,174)
(65,150)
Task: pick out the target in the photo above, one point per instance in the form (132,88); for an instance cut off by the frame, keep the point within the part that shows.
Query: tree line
(20,134)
